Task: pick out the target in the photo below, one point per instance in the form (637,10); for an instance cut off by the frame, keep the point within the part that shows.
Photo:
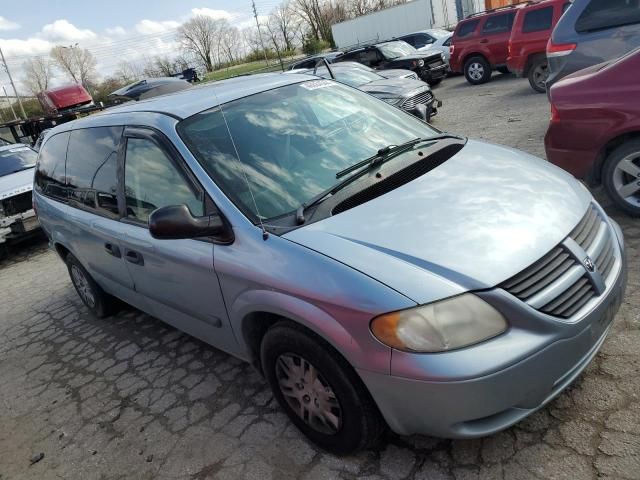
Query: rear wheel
(538,75)
(621,177)
(96,300)
(477,70)
(319,390)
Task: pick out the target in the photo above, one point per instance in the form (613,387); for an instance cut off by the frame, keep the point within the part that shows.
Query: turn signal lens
(441,326)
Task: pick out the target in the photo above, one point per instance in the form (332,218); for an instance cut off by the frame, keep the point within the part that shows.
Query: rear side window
(602,14)
(499,23)
(92,165)
(422,40)
(468,28)
(50,176)
(538,20)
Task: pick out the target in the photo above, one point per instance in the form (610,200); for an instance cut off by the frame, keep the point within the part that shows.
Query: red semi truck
(64,99)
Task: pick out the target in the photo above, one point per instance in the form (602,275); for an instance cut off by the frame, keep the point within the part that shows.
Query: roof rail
(505,7)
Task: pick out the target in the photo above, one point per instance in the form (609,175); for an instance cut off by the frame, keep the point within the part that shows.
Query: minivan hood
(471,223)
(15,183)
(395,73)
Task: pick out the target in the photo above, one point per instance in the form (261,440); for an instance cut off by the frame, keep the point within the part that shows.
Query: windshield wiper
(382,155)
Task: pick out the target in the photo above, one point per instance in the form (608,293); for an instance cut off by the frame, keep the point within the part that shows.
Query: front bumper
(18,225)
(428,74)
(427,401)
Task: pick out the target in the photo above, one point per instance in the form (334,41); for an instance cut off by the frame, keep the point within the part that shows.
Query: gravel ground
(129,397)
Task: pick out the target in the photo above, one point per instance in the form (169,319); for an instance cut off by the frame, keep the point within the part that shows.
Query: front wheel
(538,75)
(621,177)
(319,390)
(477,70)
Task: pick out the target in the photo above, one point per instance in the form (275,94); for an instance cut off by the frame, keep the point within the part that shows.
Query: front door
(175,277)
(495,35)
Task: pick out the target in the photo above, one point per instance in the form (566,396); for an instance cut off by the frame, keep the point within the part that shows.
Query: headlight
(421,63)
(443,57)
(393,100)
(446,325)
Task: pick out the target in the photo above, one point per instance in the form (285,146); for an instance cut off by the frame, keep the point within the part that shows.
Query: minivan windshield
(287,144)
(16,159)
(396,49)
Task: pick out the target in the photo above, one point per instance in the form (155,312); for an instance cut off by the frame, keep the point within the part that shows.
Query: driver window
(152,180)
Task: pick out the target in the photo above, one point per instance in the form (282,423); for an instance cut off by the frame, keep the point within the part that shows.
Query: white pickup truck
(17,217)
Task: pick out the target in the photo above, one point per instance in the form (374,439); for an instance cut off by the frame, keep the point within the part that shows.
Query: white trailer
(402,19)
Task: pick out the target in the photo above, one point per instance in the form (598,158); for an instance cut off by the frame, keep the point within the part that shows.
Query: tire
(99,303)
(621,175)
(477,70)
(538,75)
(504,70)
(352,421)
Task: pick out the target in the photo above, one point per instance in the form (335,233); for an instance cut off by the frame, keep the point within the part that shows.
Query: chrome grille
(559,284)
(422,97)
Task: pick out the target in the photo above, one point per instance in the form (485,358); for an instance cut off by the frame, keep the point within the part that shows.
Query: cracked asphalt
(130,397)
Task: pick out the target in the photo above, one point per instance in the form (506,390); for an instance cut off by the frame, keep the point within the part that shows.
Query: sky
(112,30)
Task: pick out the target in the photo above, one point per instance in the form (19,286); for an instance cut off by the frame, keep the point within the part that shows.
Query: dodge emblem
(589,265)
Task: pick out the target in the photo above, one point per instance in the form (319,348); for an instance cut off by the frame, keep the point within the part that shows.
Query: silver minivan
(378,272)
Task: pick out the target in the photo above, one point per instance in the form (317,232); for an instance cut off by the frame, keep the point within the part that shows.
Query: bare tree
(230,42)
(199,37)
(37,74)
(78,63)
(282,20)
(128,72)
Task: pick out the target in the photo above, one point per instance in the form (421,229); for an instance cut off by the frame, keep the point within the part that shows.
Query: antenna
(265,234)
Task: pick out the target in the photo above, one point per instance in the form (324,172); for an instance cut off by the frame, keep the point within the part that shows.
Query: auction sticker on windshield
(316,84)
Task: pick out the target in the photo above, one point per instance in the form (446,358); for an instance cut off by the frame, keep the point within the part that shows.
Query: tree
(198,36)
(78,63)
(37,74)
(129,72)
(282,20)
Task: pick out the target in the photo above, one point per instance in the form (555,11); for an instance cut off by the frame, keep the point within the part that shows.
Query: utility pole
(15,117)
(255,15)
(24,115)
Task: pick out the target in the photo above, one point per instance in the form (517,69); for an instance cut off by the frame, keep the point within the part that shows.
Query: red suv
(528,44)
(595,128)
(480,42)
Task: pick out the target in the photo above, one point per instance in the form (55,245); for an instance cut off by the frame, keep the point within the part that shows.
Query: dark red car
(527,51)
(595,128)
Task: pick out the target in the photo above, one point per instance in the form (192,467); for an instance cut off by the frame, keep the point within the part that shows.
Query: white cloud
(251,22)
(64,31)
(31,46)
(7,24)
(215,14)
(151,26)
(116,31)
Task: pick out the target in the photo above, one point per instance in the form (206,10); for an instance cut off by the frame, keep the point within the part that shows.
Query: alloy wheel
(308,394)
(476,71)
(626,179)
(82,285)
(540,75)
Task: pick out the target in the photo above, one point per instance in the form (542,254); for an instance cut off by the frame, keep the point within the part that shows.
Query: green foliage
(311,46)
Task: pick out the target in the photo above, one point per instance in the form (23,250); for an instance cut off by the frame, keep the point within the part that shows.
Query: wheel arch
(469,56)
(595,176)
(254,312)
(531,59)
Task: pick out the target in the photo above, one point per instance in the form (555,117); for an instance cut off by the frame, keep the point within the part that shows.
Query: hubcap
(540,75)
(476,71)
(82,285)
(626,179)
(308,394)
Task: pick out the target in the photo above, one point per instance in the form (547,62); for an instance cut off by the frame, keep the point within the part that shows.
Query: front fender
(361,350)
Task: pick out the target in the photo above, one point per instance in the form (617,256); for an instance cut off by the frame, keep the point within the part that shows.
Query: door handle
(484,40)
(112,249)
(134,257)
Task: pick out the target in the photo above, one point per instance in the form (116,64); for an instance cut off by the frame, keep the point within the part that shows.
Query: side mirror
(176,222)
